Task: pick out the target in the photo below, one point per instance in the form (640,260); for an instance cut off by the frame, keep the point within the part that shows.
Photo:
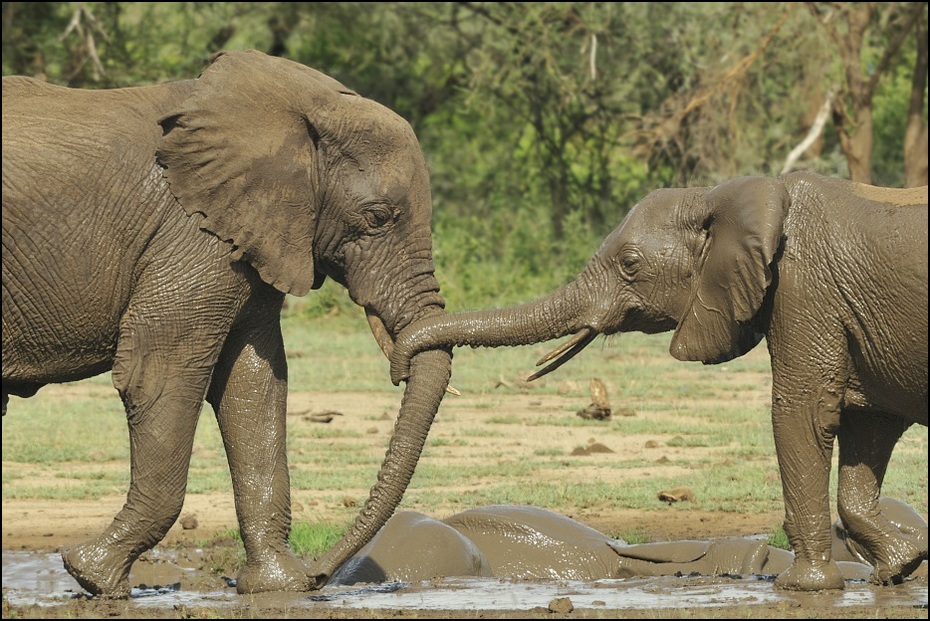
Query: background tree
(867,37)
(915,135)
(543,123)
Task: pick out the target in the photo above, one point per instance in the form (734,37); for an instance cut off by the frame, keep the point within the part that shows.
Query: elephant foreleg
(804,435)
(866,442)
(249,395)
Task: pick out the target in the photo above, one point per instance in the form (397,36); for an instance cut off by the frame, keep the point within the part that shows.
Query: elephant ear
(239,150)
(744,220)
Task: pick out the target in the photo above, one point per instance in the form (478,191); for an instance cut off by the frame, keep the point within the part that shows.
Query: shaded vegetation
(543,123)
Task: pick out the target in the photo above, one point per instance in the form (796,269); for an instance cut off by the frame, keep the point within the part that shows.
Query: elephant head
(304,179)
(696,261)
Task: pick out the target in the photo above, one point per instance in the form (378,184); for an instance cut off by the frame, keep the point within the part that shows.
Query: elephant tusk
(382,337)
(386,343)
(564,352)
(582,334)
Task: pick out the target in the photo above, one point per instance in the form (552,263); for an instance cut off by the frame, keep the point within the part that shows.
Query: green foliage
(779,539)
(312,539)
(542,123)
(892,102)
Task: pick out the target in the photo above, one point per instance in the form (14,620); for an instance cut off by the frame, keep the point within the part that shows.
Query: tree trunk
(915,135)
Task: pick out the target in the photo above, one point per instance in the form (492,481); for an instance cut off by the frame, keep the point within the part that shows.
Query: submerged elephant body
(155,231)
(532,543)
(528,543)
(832,273)
(412,547)
(504,541)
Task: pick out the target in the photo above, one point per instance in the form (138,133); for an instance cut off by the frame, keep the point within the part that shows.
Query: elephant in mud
(831,272)
(506,541)
(528,543)
(155,231)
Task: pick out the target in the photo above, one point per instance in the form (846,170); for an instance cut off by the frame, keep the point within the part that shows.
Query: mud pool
(164,582)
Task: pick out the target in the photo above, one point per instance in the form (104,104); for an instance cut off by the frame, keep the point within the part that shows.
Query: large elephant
(833,273)
(155,231)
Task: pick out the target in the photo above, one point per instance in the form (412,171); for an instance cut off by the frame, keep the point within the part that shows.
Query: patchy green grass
(708,426)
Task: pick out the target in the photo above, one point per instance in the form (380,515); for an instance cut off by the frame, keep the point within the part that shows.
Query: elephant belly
(874,393)
(52,345)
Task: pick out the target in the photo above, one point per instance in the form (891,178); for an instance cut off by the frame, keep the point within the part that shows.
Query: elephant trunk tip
(318,580)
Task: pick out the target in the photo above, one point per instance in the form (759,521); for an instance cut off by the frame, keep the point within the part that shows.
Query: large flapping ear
(743,220)
(239,151)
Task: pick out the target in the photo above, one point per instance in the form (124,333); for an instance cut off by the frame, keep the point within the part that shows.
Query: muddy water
(164,582)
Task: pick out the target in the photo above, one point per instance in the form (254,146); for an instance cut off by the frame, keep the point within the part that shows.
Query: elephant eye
(630,263)
(377,215)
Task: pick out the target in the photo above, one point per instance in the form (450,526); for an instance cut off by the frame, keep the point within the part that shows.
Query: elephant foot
(887,574)
(804,575)
(282,572)
(96,569)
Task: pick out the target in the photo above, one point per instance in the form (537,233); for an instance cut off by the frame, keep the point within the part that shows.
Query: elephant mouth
(564,352)
(386,341)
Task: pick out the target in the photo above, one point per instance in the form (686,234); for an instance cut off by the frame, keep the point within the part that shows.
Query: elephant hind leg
(866,442)
(162,391)
(161,439)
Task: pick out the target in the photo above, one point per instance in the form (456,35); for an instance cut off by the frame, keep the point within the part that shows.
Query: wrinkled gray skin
(527,543)
(413,546)
(155,231)
(833,273)
(507,541)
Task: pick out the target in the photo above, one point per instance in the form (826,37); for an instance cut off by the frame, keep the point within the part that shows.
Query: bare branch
(816,129)
(84,24)
(593,57)
(667,128)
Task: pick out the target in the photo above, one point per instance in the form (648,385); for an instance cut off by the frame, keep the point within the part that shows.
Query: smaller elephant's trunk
(425,389)
(553,316)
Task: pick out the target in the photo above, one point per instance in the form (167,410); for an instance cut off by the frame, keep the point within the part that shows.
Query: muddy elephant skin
(832,273)
(504,541)
(411,547)
(519,542)
(154,232)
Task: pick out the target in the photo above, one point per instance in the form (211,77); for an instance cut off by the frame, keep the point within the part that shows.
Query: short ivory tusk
(583,334)
(564,352)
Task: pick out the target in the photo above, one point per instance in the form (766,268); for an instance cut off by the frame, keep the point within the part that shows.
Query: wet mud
(168,582)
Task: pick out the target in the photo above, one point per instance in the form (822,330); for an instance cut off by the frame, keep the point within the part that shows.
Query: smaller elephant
(527,543)
(531,543)
(413,547)
(505,541)
(832,273)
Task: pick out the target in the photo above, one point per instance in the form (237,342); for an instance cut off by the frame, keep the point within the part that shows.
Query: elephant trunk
(553,316)
(430,373)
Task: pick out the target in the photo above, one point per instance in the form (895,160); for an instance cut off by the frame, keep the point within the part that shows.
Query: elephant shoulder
(158,100)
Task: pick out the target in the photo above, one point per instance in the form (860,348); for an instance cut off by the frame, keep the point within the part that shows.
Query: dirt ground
(46,526)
